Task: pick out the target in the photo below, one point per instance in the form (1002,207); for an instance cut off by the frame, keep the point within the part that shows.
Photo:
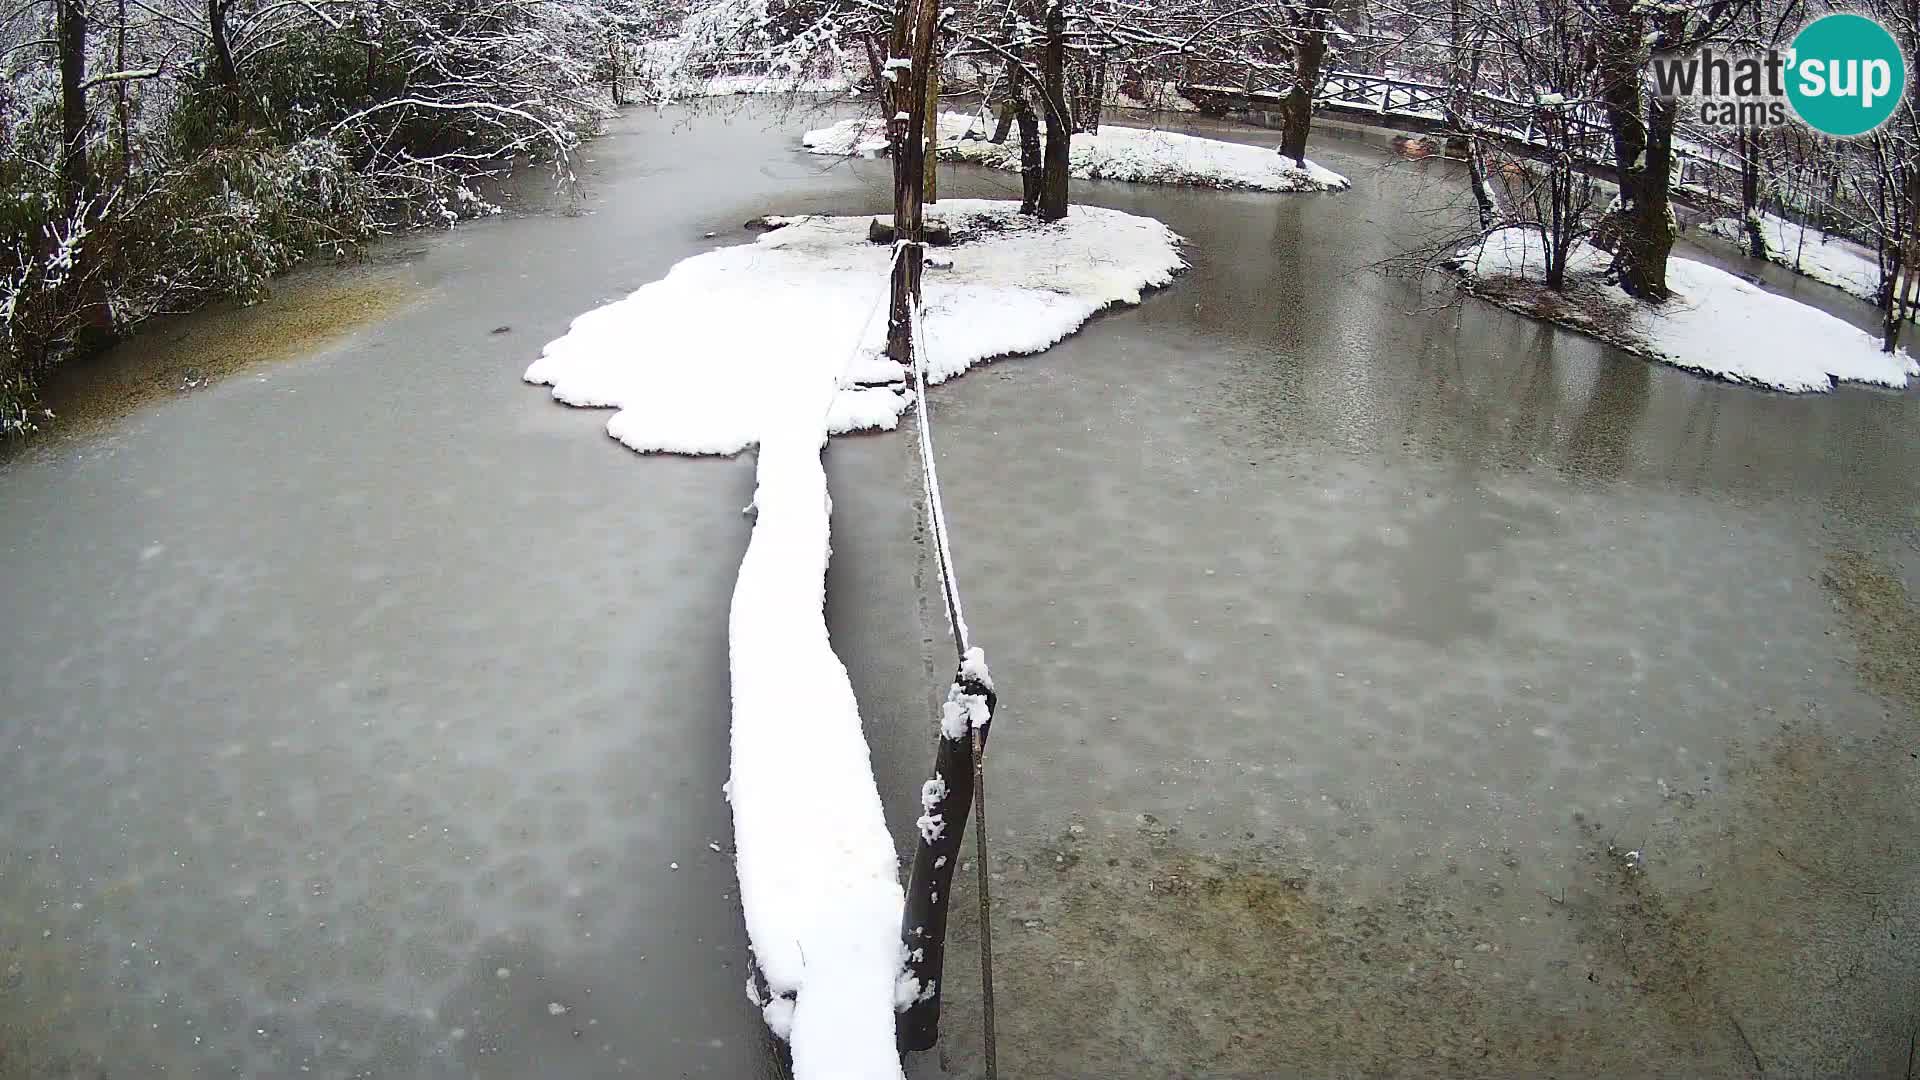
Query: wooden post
(946,800)
(912,42)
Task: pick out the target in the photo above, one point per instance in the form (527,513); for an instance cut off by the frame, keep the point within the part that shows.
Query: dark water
(357,711)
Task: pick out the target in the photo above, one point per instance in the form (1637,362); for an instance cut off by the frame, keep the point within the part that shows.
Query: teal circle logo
(1846,75)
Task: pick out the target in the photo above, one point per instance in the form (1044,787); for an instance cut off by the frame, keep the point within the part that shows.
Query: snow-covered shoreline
(1115,152)
(777,344)
(1715,324)
(1830,260)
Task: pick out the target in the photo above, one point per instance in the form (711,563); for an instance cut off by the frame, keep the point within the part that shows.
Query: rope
(986,905)
(956,620)
(930,475)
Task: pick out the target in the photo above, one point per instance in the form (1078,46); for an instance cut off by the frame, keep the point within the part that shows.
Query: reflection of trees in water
(1600,444)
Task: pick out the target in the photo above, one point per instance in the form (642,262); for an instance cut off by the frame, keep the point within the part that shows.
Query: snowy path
(768,344)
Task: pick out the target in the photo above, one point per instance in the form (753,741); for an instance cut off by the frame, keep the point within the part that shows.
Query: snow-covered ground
(1715,323)
(1162,96)
(1140,155)
(1831,260)
(769,344)
(682,67)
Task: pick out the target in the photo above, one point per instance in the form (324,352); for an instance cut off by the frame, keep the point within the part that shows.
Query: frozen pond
(366,714)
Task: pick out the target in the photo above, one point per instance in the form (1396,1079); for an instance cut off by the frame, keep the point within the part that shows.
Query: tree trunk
(1556,260)
(121,113)
(1097,99)
(1647,240)
(223,67)
(1641,227)
(1895,310)
(932,105)
(1030,158)
(913,42)
(1296,109)
(75,179)
(1053,100)
(1903,297)
(1750,190)
(1462,76)
(615,66)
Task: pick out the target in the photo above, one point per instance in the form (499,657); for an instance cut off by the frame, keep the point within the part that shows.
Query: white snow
(818,882)
(703,360)
(1161,96)
(974,666)
(1714,323)
(1139,155)
(1831,260)
(763,344)
(729,85)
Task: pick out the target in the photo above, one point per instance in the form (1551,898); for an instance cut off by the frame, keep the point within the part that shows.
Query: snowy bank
(1138,155)
(1830,260)
(730,85)
(1715,323)
(777,343)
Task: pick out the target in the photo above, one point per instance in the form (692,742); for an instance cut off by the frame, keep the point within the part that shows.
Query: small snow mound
(778,1014)
(974,667)
(1136,155)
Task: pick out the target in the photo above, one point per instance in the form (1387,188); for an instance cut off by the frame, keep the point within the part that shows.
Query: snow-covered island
(1714,323)
(1138,155)
(777,344)
(689,375)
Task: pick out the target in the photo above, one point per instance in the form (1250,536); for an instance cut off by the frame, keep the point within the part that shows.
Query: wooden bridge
(1420,108)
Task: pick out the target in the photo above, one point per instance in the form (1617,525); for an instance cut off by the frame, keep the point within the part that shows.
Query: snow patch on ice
(1715,323)
(1139,155)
